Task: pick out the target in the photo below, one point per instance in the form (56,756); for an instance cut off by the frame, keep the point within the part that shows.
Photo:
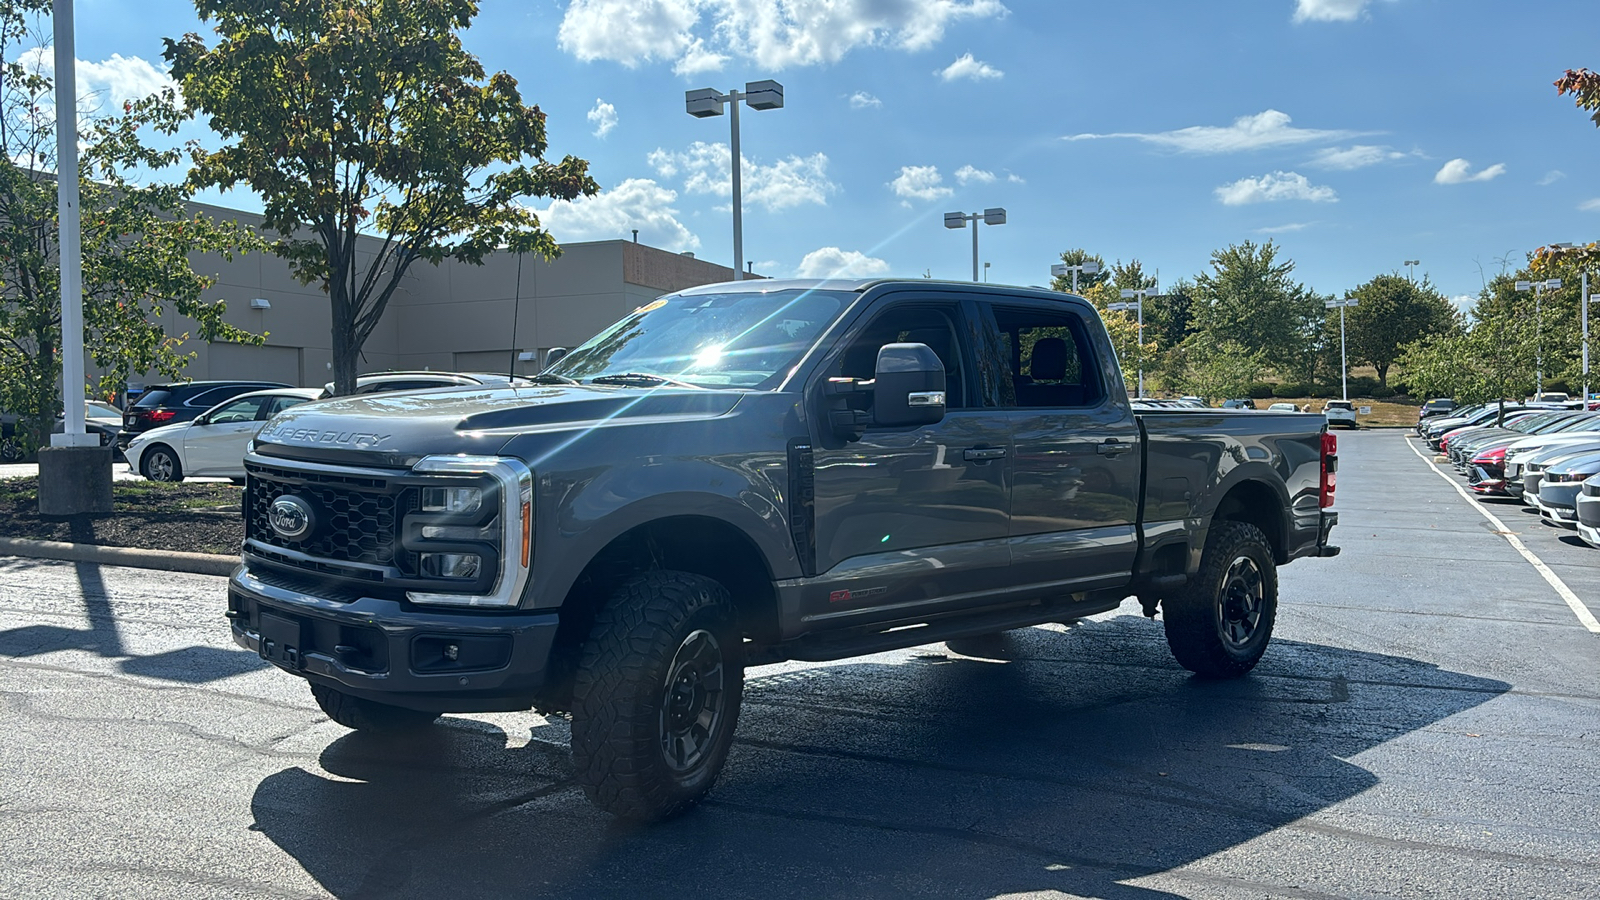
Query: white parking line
(1578,609)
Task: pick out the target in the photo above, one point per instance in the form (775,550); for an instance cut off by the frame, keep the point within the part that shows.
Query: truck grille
(356,520)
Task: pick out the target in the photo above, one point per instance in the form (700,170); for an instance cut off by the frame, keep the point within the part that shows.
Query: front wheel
(161,464)
(1220,623)
(656,697)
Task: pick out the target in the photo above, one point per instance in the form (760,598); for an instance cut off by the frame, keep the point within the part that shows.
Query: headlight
(462,531)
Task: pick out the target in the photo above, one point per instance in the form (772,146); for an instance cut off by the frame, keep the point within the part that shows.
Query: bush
(1559,385)
(1381,392)
(1260,390)
(1289,389)
(1362,385)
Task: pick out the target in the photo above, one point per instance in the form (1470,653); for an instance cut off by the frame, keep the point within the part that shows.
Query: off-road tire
(160,472)
(1221,622)
(368,715)
(663,657)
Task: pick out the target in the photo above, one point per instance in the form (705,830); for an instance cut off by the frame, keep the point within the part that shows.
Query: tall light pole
(1539,287)
(708,102)
(73,432)
(1344,365)
(1087,267)
(1409,274)
(992,216)
(1135,298)
(985,273)
(1584,315)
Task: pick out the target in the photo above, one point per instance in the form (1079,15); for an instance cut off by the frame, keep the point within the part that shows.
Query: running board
(822,648)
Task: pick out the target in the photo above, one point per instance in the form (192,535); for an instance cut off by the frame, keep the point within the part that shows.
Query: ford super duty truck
(746,473)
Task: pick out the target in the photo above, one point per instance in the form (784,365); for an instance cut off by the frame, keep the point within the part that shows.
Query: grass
(1384,413)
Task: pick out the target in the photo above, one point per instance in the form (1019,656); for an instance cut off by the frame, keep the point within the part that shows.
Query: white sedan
(213,444)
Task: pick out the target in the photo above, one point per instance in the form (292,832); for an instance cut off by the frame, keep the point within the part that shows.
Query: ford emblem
(290,517)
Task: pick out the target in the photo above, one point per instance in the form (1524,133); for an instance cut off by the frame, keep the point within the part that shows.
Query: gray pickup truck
(747,473)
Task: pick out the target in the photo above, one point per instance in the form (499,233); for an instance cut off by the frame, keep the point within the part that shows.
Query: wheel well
(1256,503)
(698,544)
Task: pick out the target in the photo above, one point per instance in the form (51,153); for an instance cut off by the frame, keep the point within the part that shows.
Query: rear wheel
(160,463)
(656,697)
(368,715)
(1221,622)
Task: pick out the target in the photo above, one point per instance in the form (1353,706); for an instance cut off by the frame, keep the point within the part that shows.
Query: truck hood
(397,429)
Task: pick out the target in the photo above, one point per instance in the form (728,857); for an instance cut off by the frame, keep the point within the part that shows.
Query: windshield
(738,340)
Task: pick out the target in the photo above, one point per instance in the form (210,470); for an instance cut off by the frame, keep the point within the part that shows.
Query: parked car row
(211,441)
(1546,455)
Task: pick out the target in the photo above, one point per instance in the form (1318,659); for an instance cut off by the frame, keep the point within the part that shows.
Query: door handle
(1113,447)
(984,454)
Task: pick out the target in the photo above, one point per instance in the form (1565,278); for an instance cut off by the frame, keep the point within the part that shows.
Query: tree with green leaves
(1216,370)
(137,240)
(1249,299)
(1391,312)
(1493,359)
(358,118)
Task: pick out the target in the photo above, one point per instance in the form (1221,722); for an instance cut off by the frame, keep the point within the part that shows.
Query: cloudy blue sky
(1356,134)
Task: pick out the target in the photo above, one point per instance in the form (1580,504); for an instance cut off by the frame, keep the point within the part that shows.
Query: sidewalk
(119,472)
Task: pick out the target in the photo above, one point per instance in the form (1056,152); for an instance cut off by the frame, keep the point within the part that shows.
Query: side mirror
(554,355)
(202,419)
(909,386)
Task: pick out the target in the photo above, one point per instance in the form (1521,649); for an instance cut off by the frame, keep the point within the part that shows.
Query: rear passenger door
(1076,466)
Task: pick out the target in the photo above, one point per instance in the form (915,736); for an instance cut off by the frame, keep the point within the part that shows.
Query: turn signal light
(1330,468)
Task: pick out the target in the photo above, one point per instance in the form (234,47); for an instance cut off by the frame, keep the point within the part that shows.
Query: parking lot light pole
(992,216)
(1409,274)
(1344,365)
(1539,287)
(1584,315)
(707,102)
(1136,298)
(1087,267)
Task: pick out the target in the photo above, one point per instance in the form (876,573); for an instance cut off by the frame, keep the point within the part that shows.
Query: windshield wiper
(641,378)
(548,378)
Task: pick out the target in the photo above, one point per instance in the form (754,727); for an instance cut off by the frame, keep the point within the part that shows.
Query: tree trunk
(346,350)
(1383,373)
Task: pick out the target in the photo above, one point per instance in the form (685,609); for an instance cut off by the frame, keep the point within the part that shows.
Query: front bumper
(1487,479)
(393,652)
(1589,519)
(1557,504)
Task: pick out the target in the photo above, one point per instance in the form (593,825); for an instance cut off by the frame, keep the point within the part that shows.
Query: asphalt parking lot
(1426,724)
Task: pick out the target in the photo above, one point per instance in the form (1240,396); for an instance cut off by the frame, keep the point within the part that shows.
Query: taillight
(157,416)
(1330,469)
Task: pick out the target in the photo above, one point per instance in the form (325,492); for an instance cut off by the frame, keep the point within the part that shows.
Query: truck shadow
(1074,761)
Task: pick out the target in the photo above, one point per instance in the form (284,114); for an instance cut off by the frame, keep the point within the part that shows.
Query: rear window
(152,398)
(1338,404)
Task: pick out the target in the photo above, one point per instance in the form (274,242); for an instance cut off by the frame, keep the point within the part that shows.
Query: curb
(169,561)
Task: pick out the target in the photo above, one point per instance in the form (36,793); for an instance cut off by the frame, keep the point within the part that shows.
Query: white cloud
(700,35)
(1274,187)
(636,203)
(1463,302)
(967,67)
(831,262)
(108,83)
(1016,179)
(697,60)
(1590,205)
(1329,10)
(920,183)
(627,31)
(1264,129)
(1459,171)
(1551,177)
(604,117)
(1284,229)
(864,100)
(1356,157)
(789,182)
(969,174)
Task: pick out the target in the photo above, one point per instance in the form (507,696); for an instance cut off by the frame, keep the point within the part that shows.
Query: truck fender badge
(289,517)
(847,595)
(285,434)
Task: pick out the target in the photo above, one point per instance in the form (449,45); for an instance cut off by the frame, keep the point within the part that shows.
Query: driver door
(217,447)
(910,518)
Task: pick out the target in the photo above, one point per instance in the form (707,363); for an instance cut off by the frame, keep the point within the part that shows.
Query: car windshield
(737,340)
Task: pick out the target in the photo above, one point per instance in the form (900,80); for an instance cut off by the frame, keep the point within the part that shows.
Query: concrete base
(74,481)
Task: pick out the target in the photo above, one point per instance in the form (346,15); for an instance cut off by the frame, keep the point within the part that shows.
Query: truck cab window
(1049,358)
(910,324)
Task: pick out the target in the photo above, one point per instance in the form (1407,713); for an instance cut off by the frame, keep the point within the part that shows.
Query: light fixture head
(527,356)
(1060,270)
(1127,293)
(763,95)
(704,103)
(955,220)
(1523,285)
(994,216)
(1089,267)
(260,303)
(1553,284)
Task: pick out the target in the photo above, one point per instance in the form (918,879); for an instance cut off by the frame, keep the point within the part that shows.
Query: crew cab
(746,473)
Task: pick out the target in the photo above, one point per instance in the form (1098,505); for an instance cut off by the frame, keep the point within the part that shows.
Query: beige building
(454,316)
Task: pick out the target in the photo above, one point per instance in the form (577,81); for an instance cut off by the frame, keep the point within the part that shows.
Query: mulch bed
(196,518)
